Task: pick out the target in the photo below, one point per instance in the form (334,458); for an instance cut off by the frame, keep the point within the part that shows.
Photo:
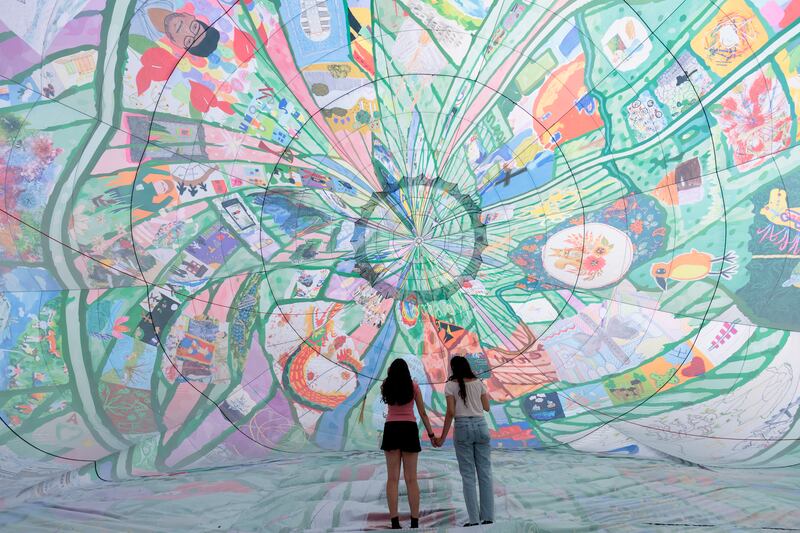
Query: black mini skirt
(403,436)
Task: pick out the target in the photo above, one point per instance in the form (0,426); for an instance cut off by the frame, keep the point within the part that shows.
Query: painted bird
(692,266)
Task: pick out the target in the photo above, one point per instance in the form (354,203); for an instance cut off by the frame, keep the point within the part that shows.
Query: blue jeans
(473,454)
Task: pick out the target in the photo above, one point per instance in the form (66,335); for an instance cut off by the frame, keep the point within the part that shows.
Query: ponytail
(461,370)
(462,388)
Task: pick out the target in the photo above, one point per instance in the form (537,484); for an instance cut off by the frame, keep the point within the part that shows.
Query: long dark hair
(397,388)
(206,43)
(461,371)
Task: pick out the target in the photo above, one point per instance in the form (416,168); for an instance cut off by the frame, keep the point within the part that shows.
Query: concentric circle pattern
(220,221)
(424,241)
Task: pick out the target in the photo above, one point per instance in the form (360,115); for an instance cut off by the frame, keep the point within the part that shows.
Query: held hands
(437,442)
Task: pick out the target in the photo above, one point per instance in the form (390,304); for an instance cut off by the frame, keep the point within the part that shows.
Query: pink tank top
(405,412)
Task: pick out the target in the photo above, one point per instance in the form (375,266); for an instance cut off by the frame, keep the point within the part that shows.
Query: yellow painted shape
(689,272)
(733,34)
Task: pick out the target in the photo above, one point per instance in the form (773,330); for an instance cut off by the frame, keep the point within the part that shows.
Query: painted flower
(28,201)
(42,148)
(755,119)
(119,328)
(601,248)
(592,265)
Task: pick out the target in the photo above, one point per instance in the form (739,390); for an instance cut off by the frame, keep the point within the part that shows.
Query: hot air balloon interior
(222,220)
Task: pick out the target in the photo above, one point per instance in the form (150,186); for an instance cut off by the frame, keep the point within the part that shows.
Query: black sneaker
(470,524)
(414,523)
(396,523)
(485,522)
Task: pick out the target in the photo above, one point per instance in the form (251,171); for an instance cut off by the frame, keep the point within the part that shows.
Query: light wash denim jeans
(471,441)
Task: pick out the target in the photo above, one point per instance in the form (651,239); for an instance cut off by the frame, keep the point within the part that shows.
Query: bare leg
(392,479)
(410,475)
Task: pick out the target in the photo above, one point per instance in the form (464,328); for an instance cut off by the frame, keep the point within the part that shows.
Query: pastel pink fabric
(405,412)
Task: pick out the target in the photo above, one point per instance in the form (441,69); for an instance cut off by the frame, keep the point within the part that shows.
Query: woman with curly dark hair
(401,437)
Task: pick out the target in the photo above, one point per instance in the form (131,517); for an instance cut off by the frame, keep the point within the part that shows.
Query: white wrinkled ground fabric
(535,492)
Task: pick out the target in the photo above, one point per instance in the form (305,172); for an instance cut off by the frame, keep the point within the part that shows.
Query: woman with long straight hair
(467,399)
(401,437)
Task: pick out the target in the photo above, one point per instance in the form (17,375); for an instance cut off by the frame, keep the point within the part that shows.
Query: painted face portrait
(182,29)
(186,31)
